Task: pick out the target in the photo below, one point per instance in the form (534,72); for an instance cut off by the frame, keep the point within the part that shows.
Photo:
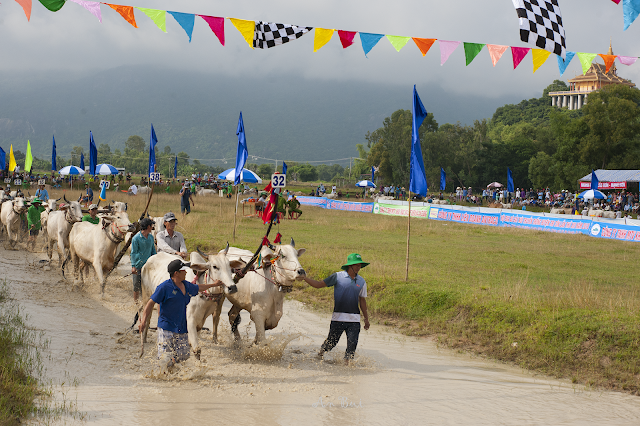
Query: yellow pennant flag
(398,42)
(159,17)
(246,28)
(539,56)
(12,159)
(321,38)
(28,159)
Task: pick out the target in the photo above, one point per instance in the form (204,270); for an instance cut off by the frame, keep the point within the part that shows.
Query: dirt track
(395,379)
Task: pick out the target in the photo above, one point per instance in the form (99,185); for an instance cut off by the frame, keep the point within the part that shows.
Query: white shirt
(133,189)
(171,245)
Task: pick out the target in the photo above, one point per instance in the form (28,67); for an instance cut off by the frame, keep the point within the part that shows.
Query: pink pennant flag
(91,6)
(496,52)
(627,60)
(26,6)
(216,25)
(446,49)
(518,54)
(346,38)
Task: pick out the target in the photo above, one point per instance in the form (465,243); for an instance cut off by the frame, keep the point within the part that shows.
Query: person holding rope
(142,248)
(349,294)
(173,296)
(33,221)
(92,216)
(171,241)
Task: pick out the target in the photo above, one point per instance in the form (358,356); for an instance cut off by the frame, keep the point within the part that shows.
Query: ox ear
(301,252)
(237,264)
(199,266)
(108,218)
(197,259)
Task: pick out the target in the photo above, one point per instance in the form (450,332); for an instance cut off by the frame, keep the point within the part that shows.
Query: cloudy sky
(73,40)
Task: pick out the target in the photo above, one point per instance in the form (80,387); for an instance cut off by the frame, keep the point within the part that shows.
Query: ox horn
(65,198)
(293,243)
(203,254)
(226,249)
(58,199)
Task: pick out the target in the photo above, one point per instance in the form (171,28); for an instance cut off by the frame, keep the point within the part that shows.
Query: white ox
(59,225)
(144,190)
(96,245)
(50,206)
(207,192)
(214,267)
(261,291)
(10,216)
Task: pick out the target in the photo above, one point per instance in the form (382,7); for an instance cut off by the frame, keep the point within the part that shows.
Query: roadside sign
(278,180)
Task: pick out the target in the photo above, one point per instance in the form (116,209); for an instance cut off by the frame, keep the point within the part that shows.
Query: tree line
(544,146)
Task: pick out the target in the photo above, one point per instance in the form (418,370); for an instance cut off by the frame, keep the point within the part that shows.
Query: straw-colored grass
(561,304)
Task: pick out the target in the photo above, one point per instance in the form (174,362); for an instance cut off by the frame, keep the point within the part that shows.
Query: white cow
(331,195)
(10,216)
(144,190)
(596,213)
(50,206)
(207,192)
(59,226)
(214,267)
(96,245)
(261,291)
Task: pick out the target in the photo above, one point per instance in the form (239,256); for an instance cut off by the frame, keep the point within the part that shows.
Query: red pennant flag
(126,12)
(265,241)
(608,60)
(269,210)
(216,25)
(278,238)
(616,1)
(518,55)
(346,38)
(26,6)
(424,44)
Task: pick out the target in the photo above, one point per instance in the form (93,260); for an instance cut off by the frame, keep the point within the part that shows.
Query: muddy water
(394,379)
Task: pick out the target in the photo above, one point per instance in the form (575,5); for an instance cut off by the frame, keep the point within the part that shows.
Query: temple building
(580,86)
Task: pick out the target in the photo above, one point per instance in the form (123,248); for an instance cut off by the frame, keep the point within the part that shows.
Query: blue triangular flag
(243,152)
(82,161)
(443,179)
(509,180)
(594,180)
(369,40)
(417,178)
(103,191)
(284,168)
(93,155)
(630,10)
(153,141)
(53,155)
(185,20)
(563,63)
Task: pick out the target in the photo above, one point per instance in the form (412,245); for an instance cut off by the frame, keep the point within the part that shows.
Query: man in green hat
(349,294)
(33,221)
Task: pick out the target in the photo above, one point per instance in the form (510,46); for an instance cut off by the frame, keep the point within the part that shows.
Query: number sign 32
(278,180)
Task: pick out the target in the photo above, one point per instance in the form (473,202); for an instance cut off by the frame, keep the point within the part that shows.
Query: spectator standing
(185,197)
(142,248)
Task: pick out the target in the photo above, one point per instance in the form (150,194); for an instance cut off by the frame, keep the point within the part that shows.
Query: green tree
(135,145)
(265,170)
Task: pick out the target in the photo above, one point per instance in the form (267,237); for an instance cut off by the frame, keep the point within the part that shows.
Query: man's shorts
(184,208)
(137,282)
(175,344)
(34,232)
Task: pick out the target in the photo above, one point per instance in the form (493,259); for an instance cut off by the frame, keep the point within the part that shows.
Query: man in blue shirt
(142,248)
(88,196)
(42,193)
(349,294)
(173,296)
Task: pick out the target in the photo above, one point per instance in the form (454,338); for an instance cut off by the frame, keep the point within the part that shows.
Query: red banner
(605,185)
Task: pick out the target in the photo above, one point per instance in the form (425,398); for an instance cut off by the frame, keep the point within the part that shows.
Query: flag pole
(235,217)
(406,275)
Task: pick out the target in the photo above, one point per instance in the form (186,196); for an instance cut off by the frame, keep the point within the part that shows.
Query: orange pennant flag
(126,12)
(608,60)
(26,6)
(424,44)
(496,51)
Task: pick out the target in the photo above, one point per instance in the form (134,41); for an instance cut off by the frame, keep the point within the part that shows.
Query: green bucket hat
(36,200)
(354,259)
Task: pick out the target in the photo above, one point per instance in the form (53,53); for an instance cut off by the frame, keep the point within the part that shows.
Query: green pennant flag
(586,59)
(157,16)
(398,42)
(28,160)
(471,50)
(53,5)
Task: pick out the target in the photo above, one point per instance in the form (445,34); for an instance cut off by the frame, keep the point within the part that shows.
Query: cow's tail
(66,259)
(236,323)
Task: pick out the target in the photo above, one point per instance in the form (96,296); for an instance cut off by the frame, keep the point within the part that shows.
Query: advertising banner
(605,185)
(461,216)
(349,206)
(549,224)
(615,231)
(400,210)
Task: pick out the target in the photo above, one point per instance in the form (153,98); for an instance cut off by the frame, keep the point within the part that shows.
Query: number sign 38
(154,177)
(278,180)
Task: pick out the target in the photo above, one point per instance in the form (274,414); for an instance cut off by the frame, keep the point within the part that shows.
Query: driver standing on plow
(349,294)
(173,296)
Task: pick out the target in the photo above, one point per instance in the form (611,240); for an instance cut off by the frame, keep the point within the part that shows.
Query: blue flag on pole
(82,161)
(509,180)
(443,179)
(417,178)
(594,180)
(175,168)
(284,168)
(3,159)
(103,191)
(373,175)
(152,151)
(243,153)
(53,156)
(93,155)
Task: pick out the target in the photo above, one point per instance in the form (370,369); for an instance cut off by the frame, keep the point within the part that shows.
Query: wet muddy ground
(394,379)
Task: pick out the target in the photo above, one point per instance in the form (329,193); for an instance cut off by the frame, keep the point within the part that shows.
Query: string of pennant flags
(262,35)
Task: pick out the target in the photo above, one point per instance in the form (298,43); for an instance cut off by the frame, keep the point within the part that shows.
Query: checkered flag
(269,34)
(541,24)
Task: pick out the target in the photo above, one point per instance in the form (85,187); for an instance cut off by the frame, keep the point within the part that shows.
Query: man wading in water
(173,296)
(349,294)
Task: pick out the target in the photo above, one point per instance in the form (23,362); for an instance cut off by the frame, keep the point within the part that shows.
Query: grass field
(565,305)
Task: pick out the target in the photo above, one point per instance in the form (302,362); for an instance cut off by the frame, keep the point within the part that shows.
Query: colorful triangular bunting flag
(424,44)
(91,6)
(246,28)
(471,50)
(26,6)
(369,40)
(398,42)
(53,5)
(630,11)
(518,54)
(627,60)
(217,26)
(271,34)
(346,38)
(562,64)
(321,37)
(496,51)
(446,49)
(126,12)
(585,60)
(539,57)
(185,20)
(159,17)
(608,60)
